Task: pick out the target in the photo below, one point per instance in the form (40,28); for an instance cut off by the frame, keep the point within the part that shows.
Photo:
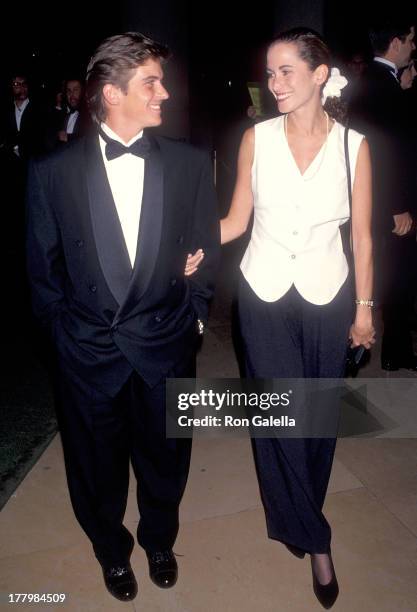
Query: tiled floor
(226,562)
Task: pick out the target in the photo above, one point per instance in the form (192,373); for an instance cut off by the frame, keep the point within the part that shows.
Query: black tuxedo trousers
(100,435)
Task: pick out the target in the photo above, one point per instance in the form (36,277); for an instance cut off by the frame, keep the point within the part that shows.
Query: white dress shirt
(71,122)
(18,112)
(296,237)
(125,175)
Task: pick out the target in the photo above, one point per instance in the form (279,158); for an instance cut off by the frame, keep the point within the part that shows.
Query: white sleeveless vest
(295,237)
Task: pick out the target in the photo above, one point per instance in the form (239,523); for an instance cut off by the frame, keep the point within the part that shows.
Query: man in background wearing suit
(76,121)
(21,124)
(111,219)
(21,136)
(379,111)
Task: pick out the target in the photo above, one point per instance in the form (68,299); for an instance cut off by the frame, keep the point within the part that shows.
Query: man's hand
(403,224)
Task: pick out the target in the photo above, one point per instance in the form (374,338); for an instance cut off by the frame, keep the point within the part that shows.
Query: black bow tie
(141,147)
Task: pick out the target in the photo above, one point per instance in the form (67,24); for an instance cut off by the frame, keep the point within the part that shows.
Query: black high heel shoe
(325,593)
(297,552)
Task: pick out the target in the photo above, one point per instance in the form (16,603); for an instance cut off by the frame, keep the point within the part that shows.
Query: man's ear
(112,94)
(394,45)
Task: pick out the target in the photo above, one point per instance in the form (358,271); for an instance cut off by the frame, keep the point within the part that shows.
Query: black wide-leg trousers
(292,338)
(100,436)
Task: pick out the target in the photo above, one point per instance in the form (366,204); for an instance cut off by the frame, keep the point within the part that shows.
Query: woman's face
(290,79)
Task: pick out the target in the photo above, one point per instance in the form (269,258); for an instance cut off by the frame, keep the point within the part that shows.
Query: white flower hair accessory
(335,83)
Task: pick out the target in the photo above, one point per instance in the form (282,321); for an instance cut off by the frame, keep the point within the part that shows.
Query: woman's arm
(362,330)
(236,222)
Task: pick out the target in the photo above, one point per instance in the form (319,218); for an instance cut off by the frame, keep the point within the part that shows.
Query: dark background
(217,46)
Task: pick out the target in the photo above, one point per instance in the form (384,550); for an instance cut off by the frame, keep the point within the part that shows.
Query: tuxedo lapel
(387,73)
(110,243)
(150,226)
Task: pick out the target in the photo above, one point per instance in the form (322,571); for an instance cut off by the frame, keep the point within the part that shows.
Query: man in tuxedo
(76,121)
(111,219)
(21,124)
(379,111)
(72,120)
(21,136)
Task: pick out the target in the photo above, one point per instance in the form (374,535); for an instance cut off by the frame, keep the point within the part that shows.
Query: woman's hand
(408,75)
(362,331)
(193,261)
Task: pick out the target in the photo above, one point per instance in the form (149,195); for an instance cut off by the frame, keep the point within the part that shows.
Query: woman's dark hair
(313,50)
(115,61)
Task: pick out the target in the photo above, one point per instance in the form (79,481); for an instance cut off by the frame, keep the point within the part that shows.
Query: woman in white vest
(296,304)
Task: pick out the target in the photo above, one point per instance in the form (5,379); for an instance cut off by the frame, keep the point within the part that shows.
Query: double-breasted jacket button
(93,288)
(173,282)
(180,239)
(80,243)
(158,319)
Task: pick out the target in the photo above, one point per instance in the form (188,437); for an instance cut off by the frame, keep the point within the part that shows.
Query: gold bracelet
(368,303)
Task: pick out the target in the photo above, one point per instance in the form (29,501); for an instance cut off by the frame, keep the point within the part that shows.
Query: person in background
(76,122)
(21,137)
(380,111)
(21,123)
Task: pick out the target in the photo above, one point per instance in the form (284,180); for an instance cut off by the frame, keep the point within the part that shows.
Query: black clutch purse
(354,358)
(355,355)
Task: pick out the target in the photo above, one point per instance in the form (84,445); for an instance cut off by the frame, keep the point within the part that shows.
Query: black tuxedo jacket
(379,111)
(106,319)
(82,126)
(57,120)
(30,138)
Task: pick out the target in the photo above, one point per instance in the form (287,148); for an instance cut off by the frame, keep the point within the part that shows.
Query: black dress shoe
(298,552)
(391,365)
(409,364)
(325,593)
(163,569)
(121,582)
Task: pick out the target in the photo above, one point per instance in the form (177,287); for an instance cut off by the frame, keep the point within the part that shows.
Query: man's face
(405,50)
(73,93)
(140,106)
(20,88)
(357,65)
